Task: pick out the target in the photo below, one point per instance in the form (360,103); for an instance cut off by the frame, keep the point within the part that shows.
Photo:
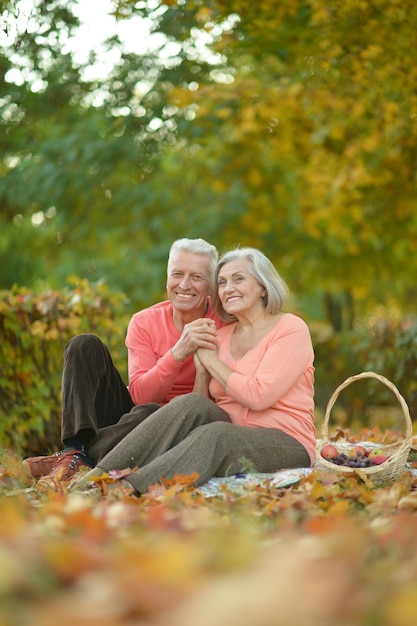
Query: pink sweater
(272,386)
(154,374)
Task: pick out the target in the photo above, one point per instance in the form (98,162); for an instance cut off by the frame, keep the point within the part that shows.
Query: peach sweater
(272,386)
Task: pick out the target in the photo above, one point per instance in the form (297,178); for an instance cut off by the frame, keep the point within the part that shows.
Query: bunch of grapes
(359,461)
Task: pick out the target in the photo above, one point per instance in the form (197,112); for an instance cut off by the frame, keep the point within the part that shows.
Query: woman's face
(238,290)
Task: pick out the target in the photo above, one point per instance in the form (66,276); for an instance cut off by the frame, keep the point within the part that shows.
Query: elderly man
(98,410)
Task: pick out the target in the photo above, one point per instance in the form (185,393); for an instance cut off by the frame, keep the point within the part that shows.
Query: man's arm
(198,334)
(155,359)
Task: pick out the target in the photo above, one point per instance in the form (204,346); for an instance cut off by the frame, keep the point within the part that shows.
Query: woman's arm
(269,371)
(202,377)
(216,368)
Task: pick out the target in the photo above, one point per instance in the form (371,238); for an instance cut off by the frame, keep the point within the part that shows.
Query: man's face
(188,282)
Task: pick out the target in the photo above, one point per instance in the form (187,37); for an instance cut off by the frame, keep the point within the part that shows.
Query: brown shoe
(39,466)
(68,464)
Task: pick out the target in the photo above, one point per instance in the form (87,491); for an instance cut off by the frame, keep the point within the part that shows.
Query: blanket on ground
(241,483)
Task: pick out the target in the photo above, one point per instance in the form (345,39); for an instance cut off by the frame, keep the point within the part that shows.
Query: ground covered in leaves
(330,549)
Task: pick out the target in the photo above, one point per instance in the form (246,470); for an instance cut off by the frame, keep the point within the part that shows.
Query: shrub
(385,344)
(34,329)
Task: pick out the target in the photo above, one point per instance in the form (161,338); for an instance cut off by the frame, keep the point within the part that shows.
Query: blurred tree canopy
(288,125)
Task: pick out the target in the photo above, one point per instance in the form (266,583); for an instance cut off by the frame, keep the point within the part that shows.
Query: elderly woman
(252,405)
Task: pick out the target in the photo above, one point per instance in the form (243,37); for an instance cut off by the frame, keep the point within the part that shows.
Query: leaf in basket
(342,434)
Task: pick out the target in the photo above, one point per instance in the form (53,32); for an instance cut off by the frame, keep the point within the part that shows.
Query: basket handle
(382,379)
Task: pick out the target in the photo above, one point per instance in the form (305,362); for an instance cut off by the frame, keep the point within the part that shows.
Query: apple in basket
(378,459)
(376,452)
(329,452)
(358,450)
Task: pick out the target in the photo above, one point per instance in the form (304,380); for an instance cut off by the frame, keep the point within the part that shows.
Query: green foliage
(388,345)
(326,184)
(8,6)
(34,329)
(385,344)
(289,126)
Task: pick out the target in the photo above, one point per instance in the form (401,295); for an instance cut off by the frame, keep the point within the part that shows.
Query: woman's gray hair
(264,272)
(196,246)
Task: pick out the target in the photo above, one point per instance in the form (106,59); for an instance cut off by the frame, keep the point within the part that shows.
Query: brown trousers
(192,434)
(95,400)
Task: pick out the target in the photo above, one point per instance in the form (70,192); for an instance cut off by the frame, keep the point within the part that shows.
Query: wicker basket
(397,453)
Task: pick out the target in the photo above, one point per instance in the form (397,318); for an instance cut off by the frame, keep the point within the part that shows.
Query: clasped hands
(199,334)
(207,345)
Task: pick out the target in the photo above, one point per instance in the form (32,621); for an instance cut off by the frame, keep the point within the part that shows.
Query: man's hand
(198,334)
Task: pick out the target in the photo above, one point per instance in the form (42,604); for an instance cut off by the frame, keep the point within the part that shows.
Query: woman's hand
(216,368)
(207,356)
(202,376)
(199,367)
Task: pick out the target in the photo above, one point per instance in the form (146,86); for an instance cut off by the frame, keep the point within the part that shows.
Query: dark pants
(95,401)
(192,434)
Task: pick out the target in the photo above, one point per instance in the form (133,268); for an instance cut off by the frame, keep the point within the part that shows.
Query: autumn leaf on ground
(180,479)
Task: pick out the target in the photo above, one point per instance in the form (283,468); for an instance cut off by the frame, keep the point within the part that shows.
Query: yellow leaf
(341,507)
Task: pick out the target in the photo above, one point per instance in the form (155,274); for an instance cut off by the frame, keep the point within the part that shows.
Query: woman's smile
(237,286)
